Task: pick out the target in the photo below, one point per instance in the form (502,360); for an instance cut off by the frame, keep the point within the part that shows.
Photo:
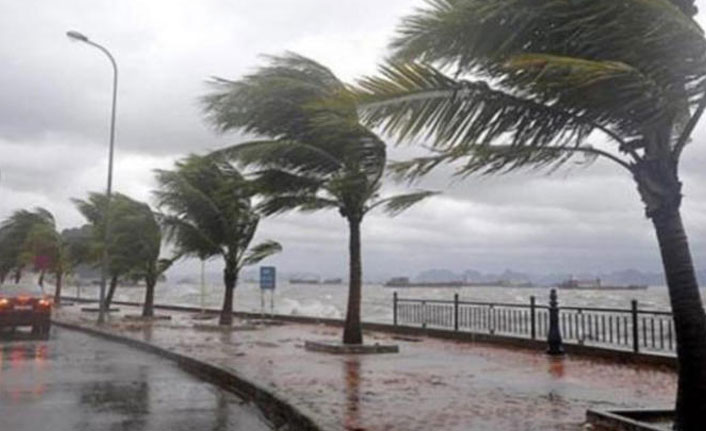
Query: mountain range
(620,277)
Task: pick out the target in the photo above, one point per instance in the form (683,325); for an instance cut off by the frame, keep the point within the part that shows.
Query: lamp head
(74,35)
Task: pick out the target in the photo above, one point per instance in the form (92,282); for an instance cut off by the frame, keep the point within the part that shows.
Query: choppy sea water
(330,300)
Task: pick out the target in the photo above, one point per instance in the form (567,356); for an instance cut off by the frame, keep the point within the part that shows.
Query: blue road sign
(268,277)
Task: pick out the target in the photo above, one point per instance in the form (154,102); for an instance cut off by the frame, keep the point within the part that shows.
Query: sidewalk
(430,384)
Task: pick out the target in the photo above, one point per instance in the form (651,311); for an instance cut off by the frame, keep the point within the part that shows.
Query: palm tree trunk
(689,321)
(57,291)
(148,306)
(230,279)
(352,332)
(111,291)
(18,275)
(41,278)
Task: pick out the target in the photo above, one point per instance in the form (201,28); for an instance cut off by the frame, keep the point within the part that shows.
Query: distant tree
(313,155)
(532,83)
(207,213)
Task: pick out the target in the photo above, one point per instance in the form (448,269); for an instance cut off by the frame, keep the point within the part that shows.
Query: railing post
(491,319)
(394,308)
(424,315)
(533,317)
(635,335)
(456,312)
(554,336)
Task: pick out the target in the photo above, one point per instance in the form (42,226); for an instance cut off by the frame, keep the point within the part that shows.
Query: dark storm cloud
(54,112)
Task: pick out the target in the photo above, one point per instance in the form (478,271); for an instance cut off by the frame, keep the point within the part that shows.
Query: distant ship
(596,285)
(304,281)
(404,282)
(332,281)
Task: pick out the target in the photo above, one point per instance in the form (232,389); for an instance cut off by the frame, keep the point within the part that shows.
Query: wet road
(77,382)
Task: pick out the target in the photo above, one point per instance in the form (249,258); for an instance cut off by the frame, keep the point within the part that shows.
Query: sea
(329,300)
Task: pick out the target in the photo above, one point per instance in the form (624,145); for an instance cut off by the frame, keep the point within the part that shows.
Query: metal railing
(626,329)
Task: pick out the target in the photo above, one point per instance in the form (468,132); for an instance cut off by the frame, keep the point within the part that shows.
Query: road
(77,382)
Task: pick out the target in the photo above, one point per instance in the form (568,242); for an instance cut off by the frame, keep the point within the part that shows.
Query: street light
(78,37)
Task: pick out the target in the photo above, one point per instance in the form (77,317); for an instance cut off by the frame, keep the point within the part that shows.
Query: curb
(281,415)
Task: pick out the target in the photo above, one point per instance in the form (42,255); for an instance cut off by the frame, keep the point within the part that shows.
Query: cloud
(54,114)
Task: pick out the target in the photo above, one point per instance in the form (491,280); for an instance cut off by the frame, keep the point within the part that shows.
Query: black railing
(626,329)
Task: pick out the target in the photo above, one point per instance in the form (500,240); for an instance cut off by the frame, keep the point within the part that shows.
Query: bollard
(533,318)
(456,312)
(424,315)
(635,332)
(394,308)
(554,337)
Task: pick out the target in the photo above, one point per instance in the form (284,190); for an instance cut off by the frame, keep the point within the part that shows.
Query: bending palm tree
(145,247)
(315,155)
(51,252)
(15,232)
(544,77)
(132,240)
(209,213)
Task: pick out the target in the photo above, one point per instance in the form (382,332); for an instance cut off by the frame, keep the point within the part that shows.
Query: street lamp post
(74,35)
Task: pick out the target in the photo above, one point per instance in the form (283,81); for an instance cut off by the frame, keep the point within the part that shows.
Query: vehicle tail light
(44,303)
(4,302)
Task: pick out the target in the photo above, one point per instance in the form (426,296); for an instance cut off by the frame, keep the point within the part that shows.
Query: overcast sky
(54,117)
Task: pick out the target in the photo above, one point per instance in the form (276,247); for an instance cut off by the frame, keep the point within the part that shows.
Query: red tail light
(4,302)
(45,303)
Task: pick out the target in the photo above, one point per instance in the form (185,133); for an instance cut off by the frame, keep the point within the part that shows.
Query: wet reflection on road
(352,378)
(77,382)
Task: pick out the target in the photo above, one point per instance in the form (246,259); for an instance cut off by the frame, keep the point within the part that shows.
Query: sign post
(268,282)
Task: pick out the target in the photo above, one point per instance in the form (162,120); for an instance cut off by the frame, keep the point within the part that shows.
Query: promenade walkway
(430,384)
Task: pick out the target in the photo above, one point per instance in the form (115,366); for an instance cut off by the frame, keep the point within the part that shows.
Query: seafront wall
(608,353)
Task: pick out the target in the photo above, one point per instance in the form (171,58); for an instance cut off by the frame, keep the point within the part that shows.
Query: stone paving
(431,384)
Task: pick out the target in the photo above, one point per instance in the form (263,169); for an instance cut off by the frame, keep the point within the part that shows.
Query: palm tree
(132,237)
(15,231)
(50,251)
(209,213)
(144,247)
(314,153)
(532,82)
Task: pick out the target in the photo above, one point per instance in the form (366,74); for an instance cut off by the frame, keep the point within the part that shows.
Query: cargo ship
(332,281)
(573,284)
(304,281)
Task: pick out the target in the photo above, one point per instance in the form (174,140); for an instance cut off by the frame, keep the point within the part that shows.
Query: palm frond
(417,101)
(281,203)
(278,100)
(275,181)
(415,168)
(396,205)
(260,252)
(478,35)
(293,155)
(188,238)
(310,134)
(606,92)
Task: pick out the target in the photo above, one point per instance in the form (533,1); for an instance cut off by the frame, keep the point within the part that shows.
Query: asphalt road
(77,382)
